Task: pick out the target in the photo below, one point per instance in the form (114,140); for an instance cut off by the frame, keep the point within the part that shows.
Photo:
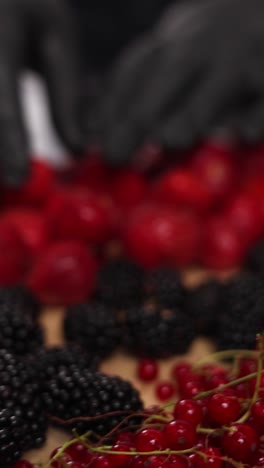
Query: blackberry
(152,331)
(242,313)
(165,286)
(93,326)
(75,393)
(19,297)
(204,305)
(50,362)
(11,436)
(23,422)
(120,283)
(19,333)
(255,260)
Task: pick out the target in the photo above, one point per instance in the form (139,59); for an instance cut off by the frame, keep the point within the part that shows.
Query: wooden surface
(118,364)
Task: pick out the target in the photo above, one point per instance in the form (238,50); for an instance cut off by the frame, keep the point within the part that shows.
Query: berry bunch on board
(217,420)
(205,209)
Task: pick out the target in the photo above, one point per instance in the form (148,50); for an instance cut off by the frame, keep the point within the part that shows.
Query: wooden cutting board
(118,364)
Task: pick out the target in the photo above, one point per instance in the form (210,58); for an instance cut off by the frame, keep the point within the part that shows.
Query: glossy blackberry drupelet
(12,437)
(19,297)
(242,313)
(155,332)
(19,333)
(120,283)
(49,362)
(255,260)
(204,305)
(23,421)
(165,286)
(75,393)
(94,327)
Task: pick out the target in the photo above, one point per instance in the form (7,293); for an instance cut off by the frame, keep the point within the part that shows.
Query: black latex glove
(39,34)
(201,67)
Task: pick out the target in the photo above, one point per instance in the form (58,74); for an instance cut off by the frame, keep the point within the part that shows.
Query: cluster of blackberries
(152,314)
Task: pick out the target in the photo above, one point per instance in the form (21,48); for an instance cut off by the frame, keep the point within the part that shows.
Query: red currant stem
(158,418)
(223,355)
(258,380)
(206,430)
(65,446)
(107,449)
(233,462)
(227,385)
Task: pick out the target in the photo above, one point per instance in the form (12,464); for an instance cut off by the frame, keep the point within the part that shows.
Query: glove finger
(205,107)
(59,60)
(14,152)
(249,126)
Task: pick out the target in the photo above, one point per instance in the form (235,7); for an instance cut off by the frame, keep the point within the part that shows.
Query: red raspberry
(31,226)
(182,188)
(222,247)
(78,214)
(13,255)
(156,235)
(37,187)
(215,167)
(63,274)
(244,213)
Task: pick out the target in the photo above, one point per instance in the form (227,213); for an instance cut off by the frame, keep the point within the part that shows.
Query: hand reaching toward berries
(41,30)
(200,69)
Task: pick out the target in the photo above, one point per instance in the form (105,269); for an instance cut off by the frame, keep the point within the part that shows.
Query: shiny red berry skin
(257,411)
(180,435)
(176,461)
(147,370)
(252,386)
(78,214)
(128,188)
(148,440)
(241,443)
(61,461)
(216,168)
(157,461)
(101,461)
(63,274)
(188,410)
(244,213)
(179,368)
(31,226)
(79,453)
(212,460)
(23,464)
(75,464)
(223,409)
(164,391)
(260,460)
(191,389)
(119,459)
(247,366)
(222,246)
(183,188)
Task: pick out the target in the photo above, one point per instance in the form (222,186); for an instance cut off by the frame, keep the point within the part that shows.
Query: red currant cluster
(218,422)
(208,209)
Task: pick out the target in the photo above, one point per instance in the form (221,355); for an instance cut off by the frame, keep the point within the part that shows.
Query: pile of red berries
(218,422)
(207,210)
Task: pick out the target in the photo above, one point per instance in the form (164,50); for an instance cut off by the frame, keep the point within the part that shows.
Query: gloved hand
(200,68)
(39,34)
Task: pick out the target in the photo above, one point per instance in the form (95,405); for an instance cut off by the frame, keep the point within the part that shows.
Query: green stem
(107,450)
(65,446)
(227,385)
(223,355)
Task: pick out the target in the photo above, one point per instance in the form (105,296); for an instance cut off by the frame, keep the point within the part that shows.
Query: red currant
(212,458)
(241,443)
(148,440)
(62,460)
(164,391)
(189,410)
(120,459)
(101,461)
(223,409)
(176,461)
(147,370)
(252,386)
(180,368)
(257,411)
(156,461)
(179,434)
(79,453)
(23,464)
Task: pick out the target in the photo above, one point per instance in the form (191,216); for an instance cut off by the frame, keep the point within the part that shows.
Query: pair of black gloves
(200,68)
